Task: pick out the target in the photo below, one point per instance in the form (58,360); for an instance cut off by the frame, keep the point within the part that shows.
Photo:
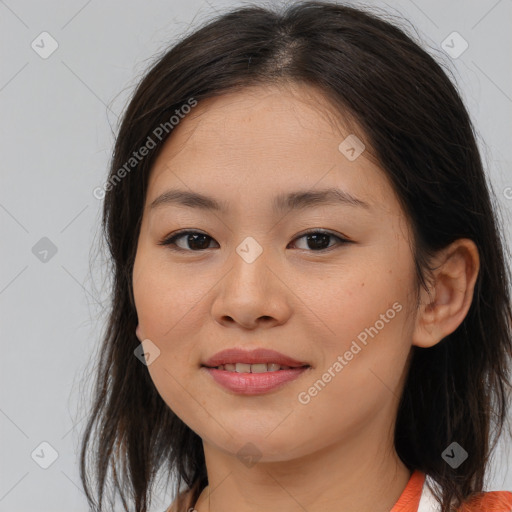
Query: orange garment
(491,501)
(410,498)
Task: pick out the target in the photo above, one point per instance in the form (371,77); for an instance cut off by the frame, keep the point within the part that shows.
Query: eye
(317,240)
(194,238)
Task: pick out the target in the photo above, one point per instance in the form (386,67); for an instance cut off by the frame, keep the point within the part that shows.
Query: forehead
(268,114)
(271,137)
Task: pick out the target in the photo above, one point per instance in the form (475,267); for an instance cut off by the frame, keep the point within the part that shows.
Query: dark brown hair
(418,129)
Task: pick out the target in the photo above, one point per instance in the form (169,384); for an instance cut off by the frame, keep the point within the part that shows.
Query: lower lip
(254,383)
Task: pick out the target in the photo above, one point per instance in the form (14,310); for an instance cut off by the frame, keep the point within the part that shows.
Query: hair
(413,121)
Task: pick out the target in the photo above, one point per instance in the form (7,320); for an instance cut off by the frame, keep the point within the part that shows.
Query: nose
(252,295)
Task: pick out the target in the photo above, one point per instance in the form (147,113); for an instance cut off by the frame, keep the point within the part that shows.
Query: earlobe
(451,293)
(138,333)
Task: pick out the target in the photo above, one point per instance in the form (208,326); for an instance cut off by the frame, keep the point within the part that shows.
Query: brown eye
(194,241)
(318,241)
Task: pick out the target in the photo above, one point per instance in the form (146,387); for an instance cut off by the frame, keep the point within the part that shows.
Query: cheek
(165,298)
(364,351)
(165,310)
(364,319)
(348,302)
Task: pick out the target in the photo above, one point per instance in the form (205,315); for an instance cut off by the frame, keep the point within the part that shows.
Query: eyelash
(170,241)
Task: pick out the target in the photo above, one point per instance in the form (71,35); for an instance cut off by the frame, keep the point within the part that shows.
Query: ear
(453,281)
(138,333)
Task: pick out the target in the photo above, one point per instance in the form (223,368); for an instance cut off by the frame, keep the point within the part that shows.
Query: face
(328,283)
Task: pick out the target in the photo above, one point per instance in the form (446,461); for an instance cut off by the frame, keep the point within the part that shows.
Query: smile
(253,368)
(253,379)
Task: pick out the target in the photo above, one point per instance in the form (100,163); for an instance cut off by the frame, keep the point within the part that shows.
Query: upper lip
(259,355)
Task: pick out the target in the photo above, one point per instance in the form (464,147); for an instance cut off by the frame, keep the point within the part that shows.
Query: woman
(310,272)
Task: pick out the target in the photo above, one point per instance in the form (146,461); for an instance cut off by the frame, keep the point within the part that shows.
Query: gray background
(56,138)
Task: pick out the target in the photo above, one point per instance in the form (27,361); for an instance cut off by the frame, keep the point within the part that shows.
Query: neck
(348,477)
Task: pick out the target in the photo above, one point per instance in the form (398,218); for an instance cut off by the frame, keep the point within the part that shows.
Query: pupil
(194,237)
(315,238)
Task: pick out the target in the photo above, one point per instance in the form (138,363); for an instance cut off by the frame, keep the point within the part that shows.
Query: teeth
(243,368)
(252,368)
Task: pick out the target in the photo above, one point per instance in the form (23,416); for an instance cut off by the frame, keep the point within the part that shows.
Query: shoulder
(490,501)
(186,498)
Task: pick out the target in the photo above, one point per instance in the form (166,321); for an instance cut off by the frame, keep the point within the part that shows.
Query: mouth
(255,368)
(260,360)
(253,372)
(253,379)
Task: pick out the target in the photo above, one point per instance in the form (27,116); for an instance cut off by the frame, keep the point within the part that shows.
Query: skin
(335,452)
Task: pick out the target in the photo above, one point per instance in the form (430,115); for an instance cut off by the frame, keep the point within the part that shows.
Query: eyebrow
(282,203)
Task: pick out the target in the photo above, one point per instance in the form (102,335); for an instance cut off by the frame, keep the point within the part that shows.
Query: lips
(254,383)
(250,357)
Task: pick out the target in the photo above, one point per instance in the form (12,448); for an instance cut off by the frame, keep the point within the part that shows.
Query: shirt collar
(416,497)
